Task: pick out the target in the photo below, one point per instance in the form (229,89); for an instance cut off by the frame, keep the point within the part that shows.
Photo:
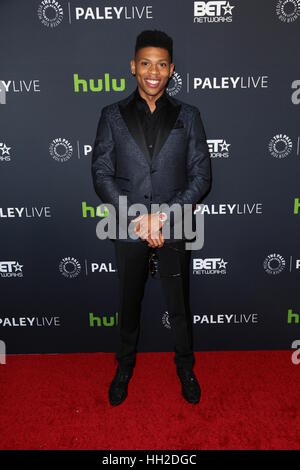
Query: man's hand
(148,228)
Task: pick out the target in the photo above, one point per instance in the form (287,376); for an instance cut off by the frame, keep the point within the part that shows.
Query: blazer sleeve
(104,164)
(198,168)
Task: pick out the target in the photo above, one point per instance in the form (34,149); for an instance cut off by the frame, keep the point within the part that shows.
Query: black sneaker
(118,387)
(191,390)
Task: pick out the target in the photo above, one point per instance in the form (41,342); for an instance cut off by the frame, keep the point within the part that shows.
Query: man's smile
(152,82)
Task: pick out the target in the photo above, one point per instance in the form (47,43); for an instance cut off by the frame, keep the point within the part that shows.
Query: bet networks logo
(218,11)
(209,266)
(11,269)
(98,85)
(218,148)
(4,153)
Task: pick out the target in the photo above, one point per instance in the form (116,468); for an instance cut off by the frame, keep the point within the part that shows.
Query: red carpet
(250,400)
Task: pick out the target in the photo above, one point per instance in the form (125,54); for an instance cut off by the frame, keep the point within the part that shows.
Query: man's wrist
(162,216)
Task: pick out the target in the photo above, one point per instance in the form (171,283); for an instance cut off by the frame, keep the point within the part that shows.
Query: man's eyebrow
(159,60)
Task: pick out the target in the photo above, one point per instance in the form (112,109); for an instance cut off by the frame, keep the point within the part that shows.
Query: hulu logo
(296,205)
(89,211)
(292,317)
(105,320)
(108,84)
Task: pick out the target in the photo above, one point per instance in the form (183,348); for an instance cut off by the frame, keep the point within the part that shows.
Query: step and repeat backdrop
(61,62)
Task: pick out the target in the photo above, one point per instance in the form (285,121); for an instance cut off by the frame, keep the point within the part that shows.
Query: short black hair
(154,38)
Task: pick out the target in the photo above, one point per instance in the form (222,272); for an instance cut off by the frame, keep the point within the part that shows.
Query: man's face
(152,68)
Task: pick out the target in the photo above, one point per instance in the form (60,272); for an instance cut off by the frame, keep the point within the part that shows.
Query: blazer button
(146,196)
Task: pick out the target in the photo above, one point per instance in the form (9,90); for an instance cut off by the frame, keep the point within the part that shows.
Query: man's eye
(163,64)
(144,63)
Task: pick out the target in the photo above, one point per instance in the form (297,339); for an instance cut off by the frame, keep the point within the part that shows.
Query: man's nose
(154,69)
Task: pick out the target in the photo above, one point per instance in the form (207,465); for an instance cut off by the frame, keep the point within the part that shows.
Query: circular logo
(288,10)
(175,84)
(274,264)
(280,146)
(61,149)
(70,267)
(165,320)
(50,13)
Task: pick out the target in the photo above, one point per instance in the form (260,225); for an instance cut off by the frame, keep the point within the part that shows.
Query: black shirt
(151,122)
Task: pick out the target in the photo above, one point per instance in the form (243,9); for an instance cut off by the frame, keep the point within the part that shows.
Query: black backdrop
(240,67)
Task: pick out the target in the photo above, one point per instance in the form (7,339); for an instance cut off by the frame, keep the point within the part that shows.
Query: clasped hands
(148,228)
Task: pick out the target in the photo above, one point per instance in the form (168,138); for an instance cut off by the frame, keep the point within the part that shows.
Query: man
(152,148)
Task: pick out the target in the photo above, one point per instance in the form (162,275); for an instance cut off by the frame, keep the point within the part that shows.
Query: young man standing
(152,149)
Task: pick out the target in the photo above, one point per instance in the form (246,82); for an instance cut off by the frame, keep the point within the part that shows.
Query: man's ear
(172,66)
(132,66)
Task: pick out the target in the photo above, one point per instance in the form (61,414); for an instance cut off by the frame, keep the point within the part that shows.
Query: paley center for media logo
(214,11)
(62,150)
(230,82)
(40,321)
(17,86)
(51,13)
(280,146)
(212,83)
(246,208)
(288,11)
(25,212)
(71,267)
(216,319)
(275,264)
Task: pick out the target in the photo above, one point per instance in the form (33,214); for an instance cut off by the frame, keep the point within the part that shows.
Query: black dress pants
(132,260)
